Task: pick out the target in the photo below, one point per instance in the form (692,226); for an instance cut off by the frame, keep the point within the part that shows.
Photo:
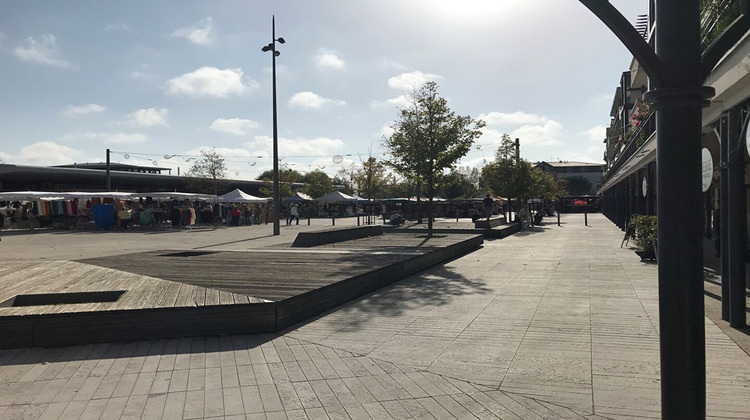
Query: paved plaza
(552,322)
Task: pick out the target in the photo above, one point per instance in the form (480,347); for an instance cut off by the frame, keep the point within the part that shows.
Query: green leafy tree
(460,183)
(578,185)
(345,177)
(399,189)
(429,138)
(371,179)
(508,176)
(286,178)
(546,186)
(317,184)
(208,174)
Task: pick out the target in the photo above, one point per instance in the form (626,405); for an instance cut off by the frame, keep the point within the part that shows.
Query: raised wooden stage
(174,293)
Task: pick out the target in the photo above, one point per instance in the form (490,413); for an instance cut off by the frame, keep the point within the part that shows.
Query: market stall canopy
(411,199)
(298,198)
(178,195)
(104,194)
(31,195)
(239,196)
(360,199)
(336,197)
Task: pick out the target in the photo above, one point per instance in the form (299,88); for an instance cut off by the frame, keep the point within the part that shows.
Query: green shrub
(644,231)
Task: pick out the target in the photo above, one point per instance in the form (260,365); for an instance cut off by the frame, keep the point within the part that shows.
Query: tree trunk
(430,209)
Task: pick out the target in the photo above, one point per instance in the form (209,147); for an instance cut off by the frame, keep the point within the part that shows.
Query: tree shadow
(431,287)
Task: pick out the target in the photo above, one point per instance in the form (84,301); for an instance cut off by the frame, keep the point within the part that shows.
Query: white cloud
(328,59)
(515,118)
(539,135)
(210,81)
(73,111)
(45,153)
(118,138)
(262,146)
(309,100)
(597,134)
(397,102)
(530,135)
(44,51)
(388,64)
(148,117)
(117,27)
(387,130)
(201,33)
(236,126)
(413,80)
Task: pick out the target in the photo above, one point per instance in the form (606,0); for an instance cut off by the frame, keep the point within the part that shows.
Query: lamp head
(281,40)
(267,48)
(276,53)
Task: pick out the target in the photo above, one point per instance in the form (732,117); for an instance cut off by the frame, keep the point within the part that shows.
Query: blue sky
(151,79)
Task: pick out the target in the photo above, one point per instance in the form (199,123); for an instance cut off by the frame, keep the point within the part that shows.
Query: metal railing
(644,130)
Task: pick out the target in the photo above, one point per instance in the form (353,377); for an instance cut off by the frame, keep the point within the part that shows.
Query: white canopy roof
(49,195)
(298,197)
(336,197)
(239,196)
(177,195)
(31,195)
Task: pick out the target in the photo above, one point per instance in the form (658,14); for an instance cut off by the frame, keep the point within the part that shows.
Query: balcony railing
(637,137)
(716,15)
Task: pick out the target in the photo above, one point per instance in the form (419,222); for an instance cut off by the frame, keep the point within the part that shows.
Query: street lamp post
(276,199)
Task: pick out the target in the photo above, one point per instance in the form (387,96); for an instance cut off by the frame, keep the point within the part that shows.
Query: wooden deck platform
(173,293)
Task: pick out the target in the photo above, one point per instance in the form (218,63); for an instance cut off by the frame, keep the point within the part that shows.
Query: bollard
(558,218)
(585,217)
(308,221)
(357,220)
(333,221)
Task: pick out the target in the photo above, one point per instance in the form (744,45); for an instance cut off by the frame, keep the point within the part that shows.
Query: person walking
(293,214)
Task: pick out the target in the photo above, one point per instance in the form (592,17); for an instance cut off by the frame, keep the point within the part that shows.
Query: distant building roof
(567,163)
(113,166)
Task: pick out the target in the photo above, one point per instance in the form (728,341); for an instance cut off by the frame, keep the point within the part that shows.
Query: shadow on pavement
(432,287)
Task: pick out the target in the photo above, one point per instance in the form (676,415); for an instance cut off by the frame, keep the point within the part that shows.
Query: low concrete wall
(333,235)
(489,224)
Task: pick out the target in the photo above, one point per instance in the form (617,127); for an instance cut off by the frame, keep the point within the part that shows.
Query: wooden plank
(212,297)
(185,295)
(199,295)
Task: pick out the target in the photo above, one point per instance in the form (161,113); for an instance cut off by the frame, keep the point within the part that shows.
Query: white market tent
(360,199)
(177,195)
(336,197)
(298,198)
(49,195)
(31,195)
(239,196)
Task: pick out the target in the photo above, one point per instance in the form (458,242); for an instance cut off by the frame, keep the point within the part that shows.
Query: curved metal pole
(632,40)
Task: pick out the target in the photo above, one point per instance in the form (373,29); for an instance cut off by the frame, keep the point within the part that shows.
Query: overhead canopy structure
(298,198)
(336,197)
(177,195)
(31,195)
(239,196)
(360,199)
